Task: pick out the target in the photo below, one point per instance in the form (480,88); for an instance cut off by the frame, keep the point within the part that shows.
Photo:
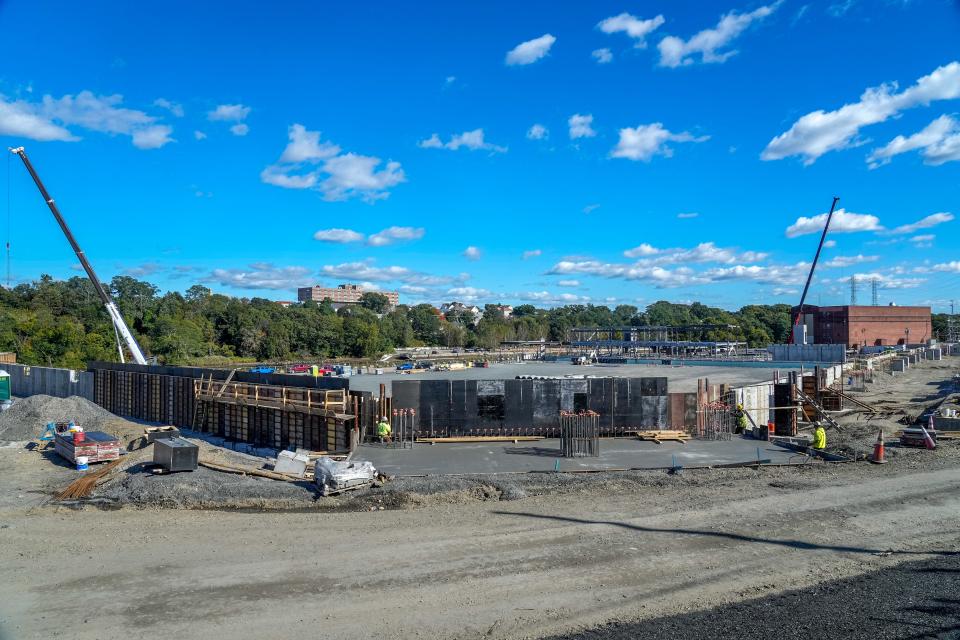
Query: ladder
(199,405)
(820,410)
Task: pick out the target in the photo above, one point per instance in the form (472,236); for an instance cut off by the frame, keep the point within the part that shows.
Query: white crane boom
(120,326)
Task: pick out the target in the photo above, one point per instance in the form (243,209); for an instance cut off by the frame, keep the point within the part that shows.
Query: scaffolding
(580,434)
(655,341)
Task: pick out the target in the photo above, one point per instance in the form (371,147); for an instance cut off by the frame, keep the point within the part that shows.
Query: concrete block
(291,463)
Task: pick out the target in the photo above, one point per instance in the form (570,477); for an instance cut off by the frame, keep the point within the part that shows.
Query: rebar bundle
(718,421)
(580,434)
(403,428)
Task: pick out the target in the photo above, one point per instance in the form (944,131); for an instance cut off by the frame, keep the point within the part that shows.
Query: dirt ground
(479,558)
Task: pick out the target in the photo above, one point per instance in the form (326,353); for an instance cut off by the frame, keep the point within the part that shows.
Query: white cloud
(152,137)
(532,253)
(530,51)
(143,270)
(308,164)
(240,129)
(643,250)
(820,131)
(939,141)
(648,255)
(580,126)
(367,270)
(843,222)
(948,267)
(339,236)
(923,241)
(537,132)
(24,120)
(848,261)
(470,294)
(229,113)
(591,207)
(784,291)
(840,9)
(351,175)
(830,243)
(687,216)
(472,140)
(305,146)
(173,107)
(634,27)
(675,52)
(568,283)
(472,253)
(199,135)
(927,222)
(261,275)
(450,80)
(647,140)
(602,56)
(887,281)
(391,235)
(50,119)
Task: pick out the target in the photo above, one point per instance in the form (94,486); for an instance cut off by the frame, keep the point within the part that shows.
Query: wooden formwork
(262,415)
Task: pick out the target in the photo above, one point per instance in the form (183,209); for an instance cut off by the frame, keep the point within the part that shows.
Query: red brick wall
(858,326)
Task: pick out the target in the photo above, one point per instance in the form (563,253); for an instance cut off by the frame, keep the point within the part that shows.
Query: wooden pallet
(663,435)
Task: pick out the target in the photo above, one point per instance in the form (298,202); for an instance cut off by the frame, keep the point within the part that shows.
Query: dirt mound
(27,417)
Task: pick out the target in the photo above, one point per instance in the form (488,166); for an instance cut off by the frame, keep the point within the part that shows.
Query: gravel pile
(205,488)
(27,417)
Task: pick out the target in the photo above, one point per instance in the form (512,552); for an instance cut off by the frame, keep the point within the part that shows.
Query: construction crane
(803,298)
(120,328)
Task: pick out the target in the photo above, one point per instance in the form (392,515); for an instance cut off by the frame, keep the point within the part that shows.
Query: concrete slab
(682,379)
(615,453)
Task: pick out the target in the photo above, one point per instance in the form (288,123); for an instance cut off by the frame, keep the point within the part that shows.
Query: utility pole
(853,290)
(875,286)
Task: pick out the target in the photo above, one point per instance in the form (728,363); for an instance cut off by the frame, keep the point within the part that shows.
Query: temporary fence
(580,434)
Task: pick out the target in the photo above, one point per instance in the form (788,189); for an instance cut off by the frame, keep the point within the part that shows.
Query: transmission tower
(953,325)
(875,290)
(853,291)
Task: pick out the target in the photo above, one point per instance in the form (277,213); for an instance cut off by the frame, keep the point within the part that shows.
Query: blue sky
(606,152)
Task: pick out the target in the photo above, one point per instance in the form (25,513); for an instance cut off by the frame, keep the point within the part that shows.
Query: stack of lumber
(661,435)
(96,446)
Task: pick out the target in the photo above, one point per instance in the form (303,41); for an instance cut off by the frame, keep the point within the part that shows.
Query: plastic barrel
(82,463)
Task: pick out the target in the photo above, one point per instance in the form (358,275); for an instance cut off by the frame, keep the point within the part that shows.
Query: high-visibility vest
(819,438)
(383,429)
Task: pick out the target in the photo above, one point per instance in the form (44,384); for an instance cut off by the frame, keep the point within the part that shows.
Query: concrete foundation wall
(60,383)
(532,407)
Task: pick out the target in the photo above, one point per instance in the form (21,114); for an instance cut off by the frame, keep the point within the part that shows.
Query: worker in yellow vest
(819,438)
(384,430)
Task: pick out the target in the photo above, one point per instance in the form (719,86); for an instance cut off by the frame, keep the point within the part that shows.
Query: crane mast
(120,326)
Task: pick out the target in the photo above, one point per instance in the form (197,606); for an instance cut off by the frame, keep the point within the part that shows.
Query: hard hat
(384,418)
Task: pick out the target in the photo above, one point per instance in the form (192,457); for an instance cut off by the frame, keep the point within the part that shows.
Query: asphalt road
(913,600)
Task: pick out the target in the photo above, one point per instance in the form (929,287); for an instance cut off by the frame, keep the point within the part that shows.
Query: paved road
(910,601)
(529,568)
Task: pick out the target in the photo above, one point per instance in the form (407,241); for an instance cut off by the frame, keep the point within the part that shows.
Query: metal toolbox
(175,454)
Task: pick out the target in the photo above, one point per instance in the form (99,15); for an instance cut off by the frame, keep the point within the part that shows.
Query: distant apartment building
(342,295)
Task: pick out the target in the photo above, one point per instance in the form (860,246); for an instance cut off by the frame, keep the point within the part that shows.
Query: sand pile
(27,417)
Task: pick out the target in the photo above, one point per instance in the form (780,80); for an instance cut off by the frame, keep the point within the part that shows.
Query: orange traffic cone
(878,453)
(927,437)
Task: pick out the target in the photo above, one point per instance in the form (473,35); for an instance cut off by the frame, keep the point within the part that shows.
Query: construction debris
(334,477)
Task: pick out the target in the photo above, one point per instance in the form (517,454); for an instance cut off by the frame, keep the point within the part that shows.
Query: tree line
(63,323)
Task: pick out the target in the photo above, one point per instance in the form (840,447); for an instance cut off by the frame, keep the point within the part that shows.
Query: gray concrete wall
(832,353)
(61,383)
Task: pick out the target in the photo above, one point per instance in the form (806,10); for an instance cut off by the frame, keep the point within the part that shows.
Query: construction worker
(741,419)
(384,430)
(819,437)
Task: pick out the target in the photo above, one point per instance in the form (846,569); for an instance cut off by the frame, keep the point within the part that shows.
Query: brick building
(859,326)
(343,294)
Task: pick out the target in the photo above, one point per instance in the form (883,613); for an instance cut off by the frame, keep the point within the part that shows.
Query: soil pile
(27,417)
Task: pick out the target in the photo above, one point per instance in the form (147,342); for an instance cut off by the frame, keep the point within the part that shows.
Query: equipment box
(175,454)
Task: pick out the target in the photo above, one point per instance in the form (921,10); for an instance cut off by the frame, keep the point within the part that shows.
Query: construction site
(641,481)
